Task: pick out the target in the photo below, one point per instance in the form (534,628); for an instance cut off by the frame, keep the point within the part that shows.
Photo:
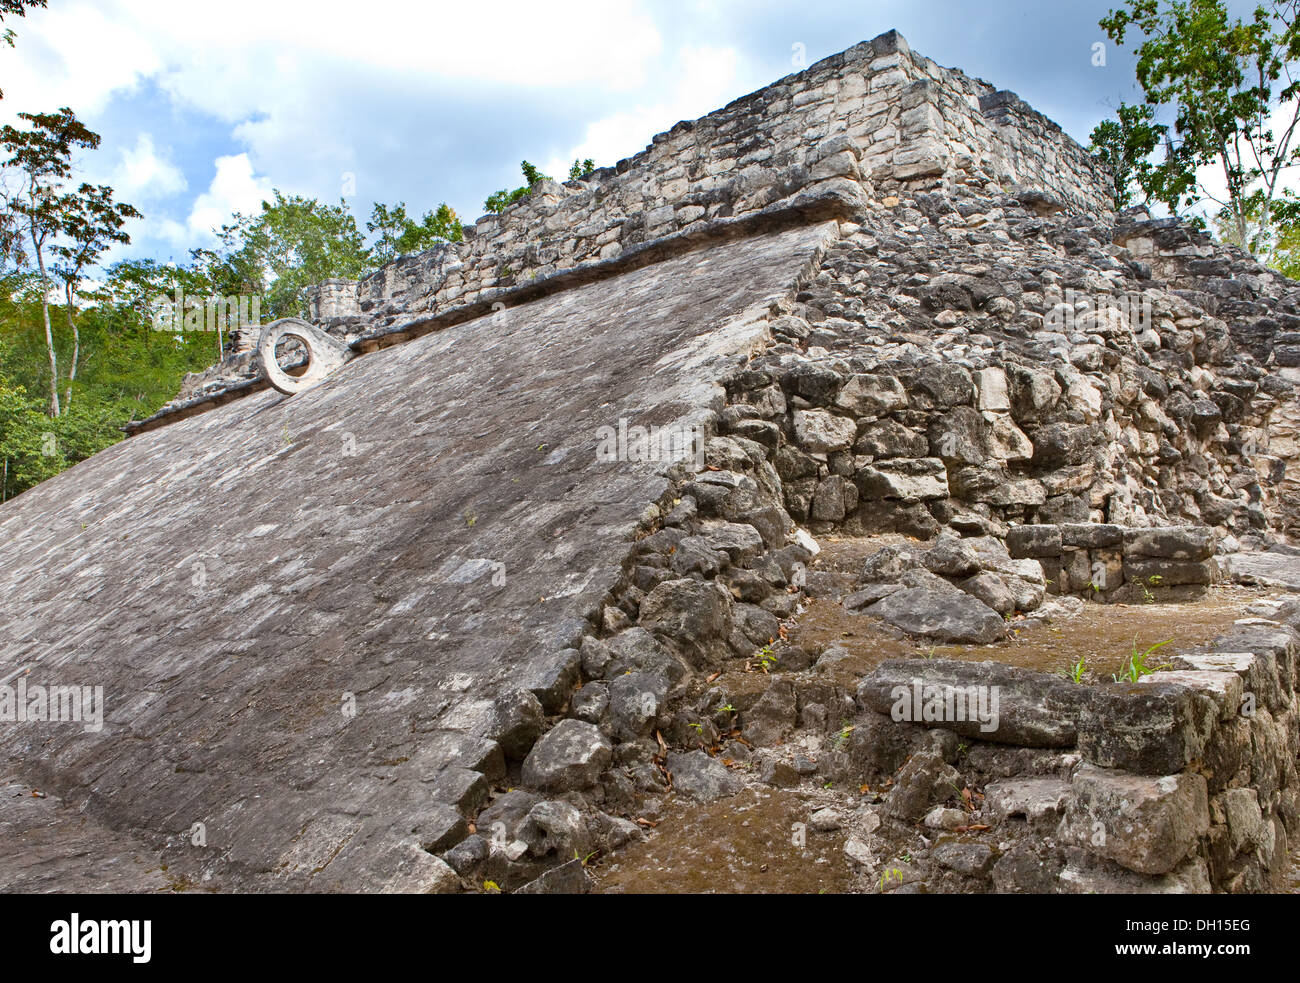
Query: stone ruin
(410,629)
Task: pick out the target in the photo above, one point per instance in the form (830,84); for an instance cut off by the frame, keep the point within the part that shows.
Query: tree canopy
(1219,108)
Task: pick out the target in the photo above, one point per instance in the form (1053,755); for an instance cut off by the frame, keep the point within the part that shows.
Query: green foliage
(766,659)
(40,157)
(1286,249)
(1125,146)
(499,201)
(400,235)
(129,371)
(1223,80)
(294,243)
(1284,236)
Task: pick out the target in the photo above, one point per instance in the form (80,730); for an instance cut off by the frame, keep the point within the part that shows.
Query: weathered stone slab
(939,615)
(1158,572)
(1034,709)
(1223,687)
(570,756)
(911,480)
(1170,542)
(701,777)
(1193,877)
(1091,535)
(1033,542)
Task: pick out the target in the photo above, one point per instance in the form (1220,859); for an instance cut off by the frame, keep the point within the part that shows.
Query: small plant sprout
(1077,670)
(842,736)
(1138,665)
(766,658)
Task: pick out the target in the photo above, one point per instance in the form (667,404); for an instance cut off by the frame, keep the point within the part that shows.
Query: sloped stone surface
(421,534)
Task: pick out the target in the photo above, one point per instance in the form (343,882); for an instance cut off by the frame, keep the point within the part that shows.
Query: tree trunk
(49,332)
(76,344)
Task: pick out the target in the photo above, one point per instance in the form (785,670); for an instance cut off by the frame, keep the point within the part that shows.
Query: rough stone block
(901,478)
(1160,572)
(1170,542)
(1032,542)
(1146,824)
(1152,729)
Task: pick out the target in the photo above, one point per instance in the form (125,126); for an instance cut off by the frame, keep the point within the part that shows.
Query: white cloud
(234,188)
(145,174)
(252,58)
(704,78)
(78,55)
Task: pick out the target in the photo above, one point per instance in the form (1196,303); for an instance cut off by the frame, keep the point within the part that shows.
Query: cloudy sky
(203,110)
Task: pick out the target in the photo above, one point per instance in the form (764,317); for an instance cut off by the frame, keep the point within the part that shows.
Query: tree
(295,242)
(499,201)
(581,168)
(1221,79)
(90,222)
(401,235)
(42,159)
(1125,146)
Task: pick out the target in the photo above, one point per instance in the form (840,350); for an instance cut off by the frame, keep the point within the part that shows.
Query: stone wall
(874,121)
(1118,564)
(430,532)
(877,114)
(931,360)
(1184,782)
(1259,308)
